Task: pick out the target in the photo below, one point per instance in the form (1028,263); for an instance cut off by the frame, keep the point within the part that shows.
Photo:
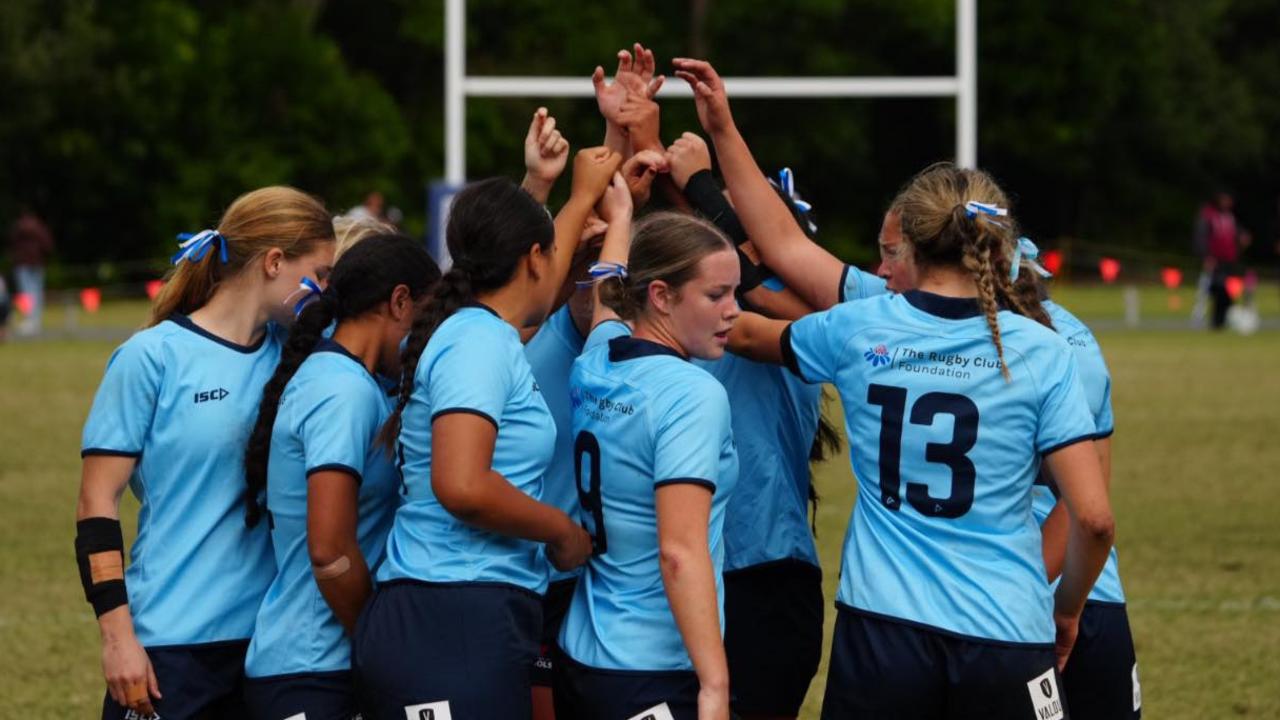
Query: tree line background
(1109,121)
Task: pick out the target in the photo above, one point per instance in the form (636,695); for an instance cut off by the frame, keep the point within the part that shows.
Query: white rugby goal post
(963,86)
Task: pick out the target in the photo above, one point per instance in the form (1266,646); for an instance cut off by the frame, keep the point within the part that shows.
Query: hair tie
(973,209)
(312,292)
(1024,249)
(603,270)
(194,246)
(786,183)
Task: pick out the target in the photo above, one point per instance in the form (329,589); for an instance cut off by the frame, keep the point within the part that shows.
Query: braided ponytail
(452,293)
(493,225)
(361,281)
(303,338)
(936,219)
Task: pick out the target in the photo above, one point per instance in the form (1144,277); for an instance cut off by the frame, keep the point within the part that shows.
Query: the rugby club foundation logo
(877,356)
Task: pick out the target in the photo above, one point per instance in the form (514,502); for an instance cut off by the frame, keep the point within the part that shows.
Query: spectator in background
(372,207)
(375,207)
(1217,244)
(32,244)
(6,305)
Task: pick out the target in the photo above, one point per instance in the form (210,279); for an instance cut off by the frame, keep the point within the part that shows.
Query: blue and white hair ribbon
(787,181)
(602,270)
(312,290)
(973,209)
(787,184)
(194,246)
(1027,250)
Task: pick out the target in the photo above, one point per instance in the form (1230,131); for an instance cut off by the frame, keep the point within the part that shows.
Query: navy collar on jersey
(185,322)
(950,308)
(482,306)
(330,345)
(630,348)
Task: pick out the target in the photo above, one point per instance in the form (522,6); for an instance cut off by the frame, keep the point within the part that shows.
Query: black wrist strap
(703,193)
(100,557)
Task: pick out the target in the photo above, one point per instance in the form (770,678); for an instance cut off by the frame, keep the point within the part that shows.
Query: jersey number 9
(586,444)
(893,403)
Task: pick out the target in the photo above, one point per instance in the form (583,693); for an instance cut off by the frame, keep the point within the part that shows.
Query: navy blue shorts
(885,669)
(586,692)
(199,682)
(772,635)
(421,648)
(1101,677)
(555,605)
(317,696)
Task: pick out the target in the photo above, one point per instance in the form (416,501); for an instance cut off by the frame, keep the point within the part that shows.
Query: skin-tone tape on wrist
(106,565)
(332,570)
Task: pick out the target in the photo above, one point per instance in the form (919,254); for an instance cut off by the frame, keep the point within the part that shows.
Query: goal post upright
(963,86)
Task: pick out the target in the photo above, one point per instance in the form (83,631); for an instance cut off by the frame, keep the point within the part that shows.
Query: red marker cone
(1109,269)
(1052,261)
(91,299)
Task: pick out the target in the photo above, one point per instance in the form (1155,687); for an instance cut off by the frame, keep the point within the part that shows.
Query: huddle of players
(538,486)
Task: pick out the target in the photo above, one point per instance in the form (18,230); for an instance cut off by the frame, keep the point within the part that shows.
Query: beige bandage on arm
(333,569)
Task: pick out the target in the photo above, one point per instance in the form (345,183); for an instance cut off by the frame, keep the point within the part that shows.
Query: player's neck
(657,332)
(362,337)
(234,313)
(947,281)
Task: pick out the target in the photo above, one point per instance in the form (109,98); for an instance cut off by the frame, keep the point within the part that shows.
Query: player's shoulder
(1067,324)
(679,383)
(150,345)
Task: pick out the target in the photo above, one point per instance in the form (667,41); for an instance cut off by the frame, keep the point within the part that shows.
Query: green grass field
(1195,494)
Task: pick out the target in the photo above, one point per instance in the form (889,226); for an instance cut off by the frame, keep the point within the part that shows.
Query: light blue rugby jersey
(643,417)
(183,402)
(1096,380)
(858,284)
(774,417)
(329,418)
(945,452)
(474,363)
(551,353)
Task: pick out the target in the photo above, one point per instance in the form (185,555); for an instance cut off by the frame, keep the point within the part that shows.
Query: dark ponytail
(826,443)
(362,280)
(493,224)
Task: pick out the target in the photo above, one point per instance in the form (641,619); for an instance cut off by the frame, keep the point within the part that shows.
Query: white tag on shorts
(299,716)
(1044,696)
(1137,690)
(428,711)
(657,712)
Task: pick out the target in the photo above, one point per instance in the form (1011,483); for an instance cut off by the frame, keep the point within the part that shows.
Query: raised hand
(687,156)
(546,153)
(593,168)
(545,150)
(616,205)
(639,118)
(708,93)
(633,76)
(639,171)
(594,227)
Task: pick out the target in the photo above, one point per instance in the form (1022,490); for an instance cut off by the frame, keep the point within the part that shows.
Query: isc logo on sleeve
(211,395)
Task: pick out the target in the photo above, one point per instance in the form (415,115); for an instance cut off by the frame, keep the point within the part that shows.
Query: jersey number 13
(893,404)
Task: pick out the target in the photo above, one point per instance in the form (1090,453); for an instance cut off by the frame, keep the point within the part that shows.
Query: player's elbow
(463,499)
(675,556)
(1100,527)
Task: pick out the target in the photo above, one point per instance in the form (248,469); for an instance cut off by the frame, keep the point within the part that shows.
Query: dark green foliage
(1108,120)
